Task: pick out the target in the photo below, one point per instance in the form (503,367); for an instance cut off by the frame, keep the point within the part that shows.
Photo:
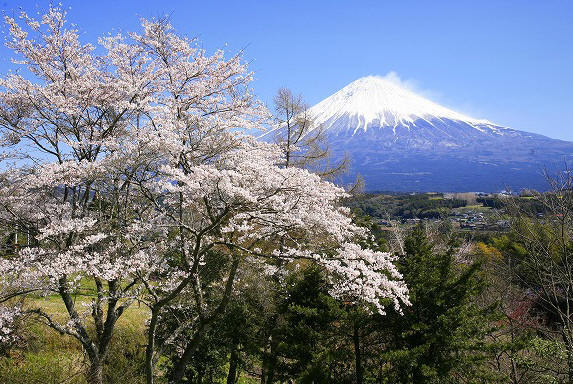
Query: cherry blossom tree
(218,188)
(129,168)
(68,119)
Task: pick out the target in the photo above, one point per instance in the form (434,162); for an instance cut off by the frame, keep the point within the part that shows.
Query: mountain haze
(401,141)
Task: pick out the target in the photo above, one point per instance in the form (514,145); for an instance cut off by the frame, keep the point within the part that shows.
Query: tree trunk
(264,365)
(272,362)
(570,364)
(181,365)
(96,348)
(357,354)
(233,363)
(567,340)
(150,348)
(95,373)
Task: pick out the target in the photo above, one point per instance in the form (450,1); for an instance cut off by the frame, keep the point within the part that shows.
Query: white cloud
(412,85)
(461,106)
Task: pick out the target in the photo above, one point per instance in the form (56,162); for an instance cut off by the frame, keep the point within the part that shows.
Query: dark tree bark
(272,361)
(181,365)
(95,373)
(96,347)
(233,363)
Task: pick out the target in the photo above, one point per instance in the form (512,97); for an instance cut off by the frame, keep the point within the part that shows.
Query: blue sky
(510,62)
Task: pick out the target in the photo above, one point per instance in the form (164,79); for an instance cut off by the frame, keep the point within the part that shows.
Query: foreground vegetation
(477,315)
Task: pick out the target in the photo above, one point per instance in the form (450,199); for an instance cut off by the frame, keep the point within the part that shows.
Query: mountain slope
(401,141)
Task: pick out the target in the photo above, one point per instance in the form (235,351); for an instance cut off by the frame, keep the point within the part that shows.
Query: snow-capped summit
(399,140)
(375,101)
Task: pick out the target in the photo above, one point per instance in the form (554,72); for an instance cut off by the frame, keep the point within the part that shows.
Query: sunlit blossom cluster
(8,318)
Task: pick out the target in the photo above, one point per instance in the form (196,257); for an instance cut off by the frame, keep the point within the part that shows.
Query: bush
(44,357)
(42,368)
(125,362)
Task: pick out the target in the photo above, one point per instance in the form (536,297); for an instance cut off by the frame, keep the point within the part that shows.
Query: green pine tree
(441,337)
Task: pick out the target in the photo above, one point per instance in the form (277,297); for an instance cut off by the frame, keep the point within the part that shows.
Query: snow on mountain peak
(382,101)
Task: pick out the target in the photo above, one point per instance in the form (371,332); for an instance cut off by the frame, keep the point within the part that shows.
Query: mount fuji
(400,141)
